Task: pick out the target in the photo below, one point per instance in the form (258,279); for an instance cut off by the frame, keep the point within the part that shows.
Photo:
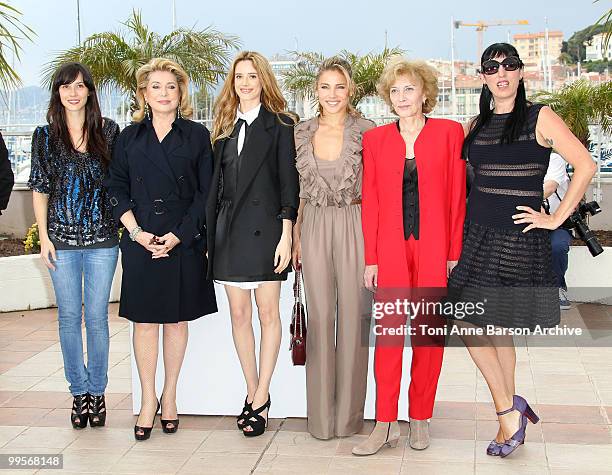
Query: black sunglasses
(511,63)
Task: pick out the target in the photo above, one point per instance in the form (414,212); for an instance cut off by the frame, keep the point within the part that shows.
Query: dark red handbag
(298,322)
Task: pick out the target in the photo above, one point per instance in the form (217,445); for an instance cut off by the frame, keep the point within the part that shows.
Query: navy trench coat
(165,184)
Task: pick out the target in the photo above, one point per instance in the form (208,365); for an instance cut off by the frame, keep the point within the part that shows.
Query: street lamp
(453,91)
(78,4)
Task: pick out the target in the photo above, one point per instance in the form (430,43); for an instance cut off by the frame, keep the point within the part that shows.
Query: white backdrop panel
(211,381)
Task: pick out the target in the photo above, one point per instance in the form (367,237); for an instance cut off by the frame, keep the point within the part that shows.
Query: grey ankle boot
(384,433)
(419,434)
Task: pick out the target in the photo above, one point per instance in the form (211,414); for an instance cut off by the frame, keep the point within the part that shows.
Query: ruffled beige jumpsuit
(338,305)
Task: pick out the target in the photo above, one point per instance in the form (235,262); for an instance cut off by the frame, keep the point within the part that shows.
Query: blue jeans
(560,241)
(91,270)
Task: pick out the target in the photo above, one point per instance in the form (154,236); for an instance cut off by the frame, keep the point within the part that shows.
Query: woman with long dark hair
(78,236)
(506,258)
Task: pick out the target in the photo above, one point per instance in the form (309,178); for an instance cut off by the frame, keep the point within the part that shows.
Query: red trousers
(426,358)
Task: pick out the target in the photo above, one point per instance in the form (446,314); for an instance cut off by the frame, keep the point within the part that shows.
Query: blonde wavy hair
(342,66)
(142,79)
(224,110)
(420,71)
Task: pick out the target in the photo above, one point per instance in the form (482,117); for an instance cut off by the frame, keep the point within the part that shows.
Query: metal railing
(18,141)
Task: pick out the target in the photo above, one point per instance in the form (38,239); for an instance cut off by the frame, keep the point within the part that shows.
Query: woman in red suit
(412,215)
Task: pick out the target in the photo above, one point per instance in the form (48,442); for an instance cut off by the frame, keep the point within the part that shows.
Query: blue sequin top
(79,211)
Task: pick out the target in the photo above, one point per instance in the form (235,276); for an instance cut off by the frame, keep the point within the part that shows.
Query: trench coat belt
(161,206)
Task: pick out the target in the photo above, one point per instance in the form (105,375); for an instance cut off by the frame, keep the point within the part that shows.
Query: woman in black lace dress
(506,257)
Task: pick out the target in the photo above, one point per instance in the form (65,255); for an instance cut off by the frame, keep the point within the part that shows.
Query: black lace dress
(507,270)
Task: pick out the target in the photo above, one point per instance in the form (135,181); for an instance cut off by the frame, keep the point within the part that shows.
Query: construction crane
(481,26)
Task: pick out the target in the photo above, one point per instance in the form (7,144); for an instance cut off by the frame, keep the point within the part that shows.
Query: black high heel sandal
(146,431)
(244,415)
(165,422)
(78,416)
(97,411)
(259,425)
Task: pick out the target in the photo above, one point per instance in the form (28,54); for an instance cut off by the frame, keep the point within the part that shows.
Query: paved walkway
(571,388)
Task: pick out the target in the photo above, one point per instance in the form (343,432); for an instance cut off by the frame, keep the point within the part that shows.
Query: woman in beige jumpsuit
(329,241)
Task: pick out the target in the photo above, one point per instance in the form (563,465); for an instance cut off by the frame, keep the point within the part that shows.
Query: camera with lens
(576,221)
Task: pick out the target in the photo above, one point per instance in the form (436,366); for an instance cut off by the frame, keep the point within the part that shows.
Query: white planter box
(588,278)
(25,284)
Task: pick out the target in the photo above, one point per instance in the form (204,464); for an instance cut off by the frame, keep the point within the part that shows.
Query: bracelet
(134,232)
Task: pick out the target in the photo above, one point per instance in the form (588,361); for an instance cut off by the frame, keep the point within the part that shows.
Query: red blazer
(441,174)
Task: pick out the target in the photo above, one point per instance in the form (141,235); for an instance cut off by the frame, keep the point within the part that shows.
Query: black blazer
(165,186)
(7,178)
(267,193)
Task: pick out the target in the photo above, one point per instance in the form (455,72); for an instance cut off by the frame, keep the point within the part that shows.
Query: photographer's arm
(550,186)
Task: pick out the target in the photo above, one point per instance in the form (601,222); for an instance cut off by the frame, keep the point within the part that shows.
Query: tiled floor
(571,388)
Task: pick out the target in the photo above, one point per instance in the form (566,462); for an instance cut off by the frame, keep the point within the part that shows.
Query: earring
(178,112)
(147,111)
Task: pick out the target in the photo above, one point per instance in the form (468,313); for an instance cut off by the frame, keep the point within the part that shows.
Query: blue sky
(273,26)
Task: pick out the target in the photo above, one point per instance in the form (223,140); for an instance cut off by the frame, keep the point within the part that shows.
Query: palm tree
(580,104)
(114,58)
(606,21)
(11,31)
(301,77)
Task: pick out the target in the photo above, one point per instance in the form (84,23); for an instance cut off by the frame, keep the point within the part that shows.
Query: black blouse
(410,197)
(79,212)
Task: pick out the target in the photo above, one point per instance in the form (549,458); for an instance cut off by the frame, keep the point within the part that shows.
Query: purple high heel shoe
(527,414)
(494,448)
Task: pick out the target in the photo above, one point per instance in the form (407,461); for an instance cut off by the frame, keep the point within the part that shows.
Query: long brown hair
(142,79)
(226,104)
(92,133)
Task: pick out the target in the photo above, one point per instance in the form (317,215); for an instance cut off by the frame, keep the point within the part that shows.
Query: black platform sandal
(146,431)
(97,411)
(78,416)
(246,410)
(259,425)
(165,422)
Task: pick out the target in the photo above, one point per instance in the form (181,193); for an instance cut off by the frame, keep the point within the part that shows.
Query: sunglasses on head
(490,66)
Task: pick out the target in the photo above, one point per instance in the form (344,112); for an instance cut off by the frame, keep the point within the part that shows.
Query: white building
(537,50)
(467,90)
(302,106)
(595,50)
(374,108)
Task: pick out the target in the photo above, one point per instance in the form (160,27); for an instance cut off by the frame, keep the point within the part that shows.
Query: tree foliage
(575,47)
(605,22)
(12,32)
(580,104)
(598,66)
(367,69)
(114,57)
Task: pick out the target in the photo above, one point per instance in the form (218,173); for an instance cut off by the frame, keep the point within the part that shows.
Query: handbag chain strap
(298,278)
